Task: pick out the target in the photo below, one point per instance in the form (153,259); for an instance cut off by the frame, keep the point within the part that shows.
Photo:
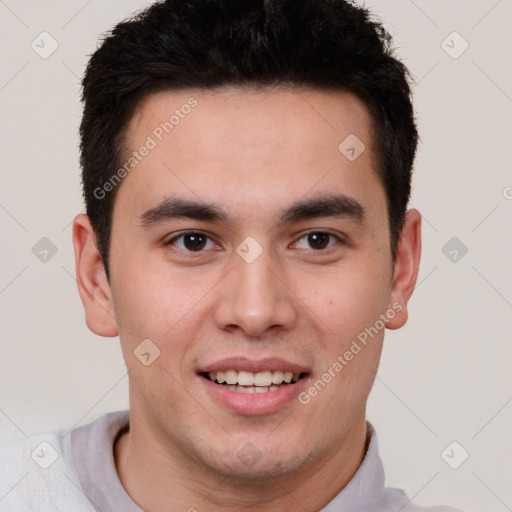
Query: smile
(250,382)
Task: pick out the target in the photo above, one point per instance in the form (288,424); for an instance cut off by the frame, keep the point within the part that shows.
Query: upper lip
(272,364)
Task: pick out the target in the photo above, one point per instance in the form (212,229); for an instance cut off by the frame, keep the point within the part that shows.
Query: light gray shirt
(76,472)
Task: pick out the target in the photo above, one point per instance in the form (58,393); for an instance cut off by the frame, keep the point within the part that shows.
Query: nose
(255,297)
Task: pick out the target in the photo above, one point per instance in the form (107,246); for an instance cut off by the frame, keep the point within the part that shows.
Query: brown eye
(319,240)
(191,241)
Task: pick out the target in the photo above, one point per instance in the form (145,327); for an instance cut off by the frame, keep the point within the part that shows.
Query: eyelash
(185,233)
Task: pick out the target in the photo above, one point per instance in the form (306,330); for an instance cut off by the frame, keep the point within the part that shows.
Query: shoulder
(39,474)
(392,498)
(367,491)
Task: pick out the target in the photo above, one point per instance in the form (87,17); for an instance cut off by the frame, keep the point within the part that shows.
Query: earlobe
(406,268)
(93,285)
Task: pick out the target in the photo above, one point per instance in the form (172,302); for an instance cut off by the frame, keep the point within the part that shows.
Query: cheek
(351,353)
(145,306)
(163,308)
(360,300)
(354,299)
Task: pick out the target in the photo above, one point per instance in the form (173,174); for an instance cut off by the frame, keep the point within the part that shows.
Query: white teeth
(231,377)
(248,389)
(251,389)
(277,377)
(265,379)
(245,379)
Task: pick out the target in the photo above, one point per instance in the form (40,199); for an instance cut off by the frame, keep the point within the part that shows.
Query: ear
(92,281)
(406,268)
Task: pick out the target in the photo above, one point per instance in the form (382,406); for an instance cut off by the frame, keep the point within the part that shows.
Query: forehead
(248,147)
(254,116)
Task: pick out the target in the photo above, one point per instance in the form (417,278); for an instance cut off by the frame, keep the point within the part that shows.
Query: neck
(160,478)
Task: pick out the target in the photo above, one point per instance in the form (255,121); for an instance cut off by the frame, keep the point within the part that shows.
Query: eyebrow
(331,205)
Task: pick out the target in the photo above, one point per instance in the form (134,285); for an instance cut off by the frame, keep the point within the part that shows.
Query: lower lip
(254,403)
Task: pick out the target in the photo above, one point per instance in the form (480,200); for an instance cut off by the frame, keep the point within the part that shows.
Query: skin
(254,153)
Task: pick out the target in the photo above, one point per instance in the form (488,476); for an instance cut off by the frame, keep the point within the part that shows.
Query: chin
(250,465)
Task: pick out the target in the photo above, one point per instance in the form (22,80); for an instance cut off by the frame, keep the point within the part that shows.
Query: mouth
(247,387)
(266,381)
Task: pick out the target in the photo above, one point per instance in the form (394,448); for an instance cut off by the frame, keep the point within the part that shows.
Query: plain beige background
(445,377)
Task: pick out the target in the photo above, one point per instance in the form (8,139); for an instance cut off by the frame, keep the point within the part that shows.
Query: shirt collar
(92,447)
(366,486)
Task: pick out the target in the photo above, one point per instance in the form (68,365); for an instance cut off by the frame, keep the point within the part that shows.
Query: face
(254,255)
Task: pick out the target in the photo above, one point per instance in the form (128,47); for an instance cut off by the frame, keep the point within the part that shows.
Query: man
(246,172)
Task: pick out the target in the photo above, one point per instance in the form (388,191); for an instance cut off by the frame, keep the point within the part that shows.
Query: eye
(319,240)
(192,241)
